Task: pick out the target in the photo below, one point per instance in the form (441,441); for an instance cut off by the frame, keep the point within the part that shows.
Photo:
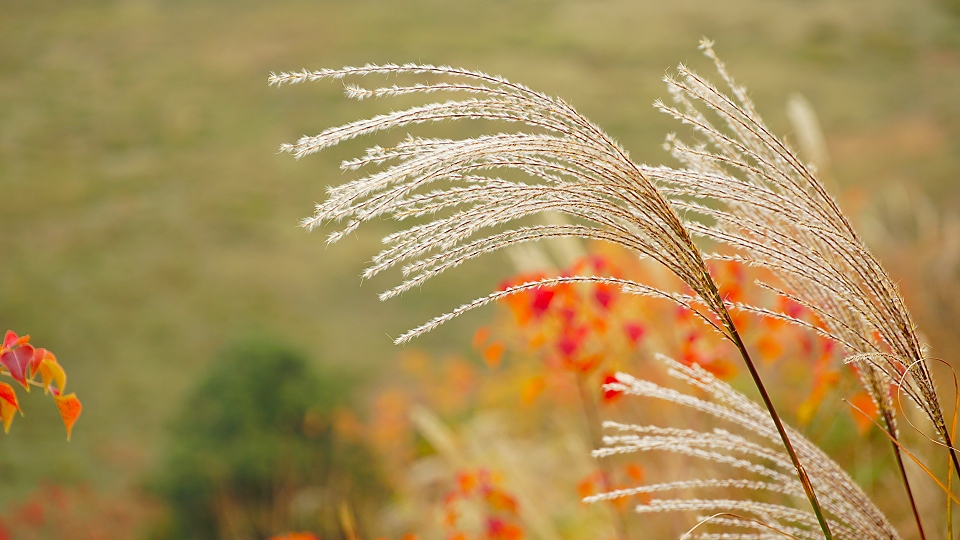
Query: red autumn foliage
(22,362)
(481,489)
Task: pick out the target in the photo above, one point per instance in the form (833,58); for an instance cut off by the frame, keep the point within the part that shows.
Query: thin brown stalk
(768,403)
(906,481)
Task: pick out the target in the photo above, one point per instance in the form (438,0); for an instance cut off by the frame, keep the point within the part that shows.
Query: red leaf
(17,361)
(70,409)
(610,394)
(497,529)
(541,300)
(39,355)
(10,339)
(634,331)
(604,295)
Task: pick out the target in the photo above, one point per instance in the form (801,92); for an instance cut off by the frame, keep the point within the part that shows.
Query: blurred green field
(149,221)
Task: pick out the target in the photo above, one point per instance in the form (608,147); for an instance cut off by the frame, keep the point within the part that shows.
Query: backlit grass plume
(774,210)
(756,465)
(746,188)
(581,172)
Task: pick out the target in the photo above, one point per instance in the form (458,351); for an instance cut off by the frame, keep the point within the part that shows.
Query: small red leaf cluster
(592,330)
(481,489)
(23,362)
(576,326)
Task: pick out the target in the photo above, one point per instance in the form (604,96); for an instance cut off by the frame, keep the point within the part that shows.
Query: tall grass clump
(739,189)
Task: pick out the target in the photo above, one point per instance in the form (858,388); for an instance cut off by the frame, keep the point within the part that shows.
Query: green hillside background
(148,220)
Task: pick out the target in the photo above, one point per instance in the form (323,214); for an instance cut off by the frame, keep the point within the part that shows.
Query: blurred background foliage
(150,223)
(254,439)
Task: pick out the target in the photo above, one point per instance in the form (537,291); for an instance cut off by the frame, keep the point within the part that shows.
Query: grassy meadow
(149,221)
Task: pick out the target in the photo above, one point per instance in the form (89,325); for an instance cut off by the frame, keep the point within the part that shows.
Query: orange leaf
(70,410)
(599,325)
(769,349)
(721,368)
(493,354)
(499,530)
(587,363)
(865,403)
(50,371)
(7,394)
(466,482)
(296,536)
(808,408)
(619,503)
(586,487)
(7,412)
(450,518)
(499,500)
(635,472)
(8,405)
(480,337)
(532,388)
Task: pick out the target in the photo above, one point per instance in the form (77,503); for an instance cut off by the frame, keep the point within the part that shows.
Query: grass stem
(888,421)
(801,472)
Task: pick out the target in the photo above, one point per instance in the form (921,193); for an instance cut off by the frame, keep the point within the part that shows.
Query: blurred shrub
(255,451)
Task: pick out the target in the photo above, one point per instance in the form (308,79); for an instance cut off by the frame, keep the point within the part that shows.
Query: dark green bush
(254,452)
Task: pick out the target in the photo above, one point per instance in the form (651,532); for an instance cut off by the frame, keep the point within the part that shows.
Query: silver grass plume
(774,210)
(579,170)
(756,463)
